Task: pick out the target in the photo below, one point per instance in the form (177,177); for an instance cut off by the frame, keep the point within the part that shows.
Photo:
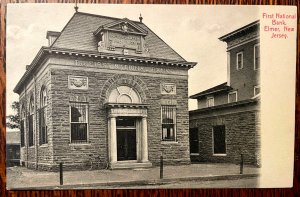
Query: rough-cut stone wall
(78,155)
(242,135)
(36,155)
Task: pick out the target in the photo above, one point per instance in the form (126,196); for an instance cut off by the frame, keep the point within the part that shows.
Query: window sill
(44,145)
(194,154)
(221,155)
(79,144)
(169,142)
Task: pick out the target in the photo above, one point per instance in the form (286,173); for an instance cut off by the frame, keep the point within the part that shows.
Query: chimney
(52,36)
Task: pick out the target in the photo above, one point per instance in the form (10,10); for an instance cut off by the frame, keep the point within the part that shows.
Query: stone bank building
(226,123)
(104,89)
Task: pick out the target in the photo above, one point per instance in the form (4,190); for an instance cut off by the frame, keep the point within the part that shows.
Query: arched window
(30,121)
(44,99)
(22,125)
(124,94)
(43,116)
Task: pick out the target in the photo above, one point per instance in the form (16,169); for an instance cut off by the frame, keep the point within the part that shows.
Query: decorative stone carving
(78,82)
(122,37)
(168,88)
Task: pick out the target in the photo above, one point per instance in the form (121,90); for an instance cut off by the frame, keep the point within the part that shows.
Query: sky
(191,30)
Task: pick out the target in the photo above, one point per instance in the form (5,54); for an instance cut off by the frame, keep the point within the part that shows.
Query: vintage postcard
(150,96)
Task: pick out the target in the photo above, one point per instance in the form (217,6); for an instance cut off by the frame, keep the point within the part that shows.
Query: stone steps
(130,165)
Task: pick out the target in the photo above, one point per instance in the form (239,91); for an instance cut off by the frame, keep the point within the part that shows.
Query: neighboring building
(12,148)
(226,123)
(107,90)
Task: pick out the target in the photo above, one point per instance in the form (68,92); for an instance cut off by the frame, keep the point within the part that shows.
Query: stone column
(144,140)
(113,140)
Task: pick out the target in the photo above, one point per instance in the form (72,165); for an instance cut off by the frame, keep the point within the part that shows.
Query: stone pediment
(122,37)
(122,26)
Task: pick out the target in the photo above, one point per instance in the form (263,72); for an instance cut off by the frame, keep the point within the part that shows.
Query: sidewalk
(20,177)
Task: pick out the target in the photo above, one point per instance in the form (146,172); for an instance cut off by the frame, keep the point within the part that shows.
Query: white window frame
(256,45)
(242,60)
(207,101)
(213,143)
(234,92)
(174,120)
(254,90)
(87,122)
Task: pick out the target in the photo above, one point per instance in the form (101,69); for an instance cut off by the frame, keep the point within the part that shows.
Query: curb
(154,182)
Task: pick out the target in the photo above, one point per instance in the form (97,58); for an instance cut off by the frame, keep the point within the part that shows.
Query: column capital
(112,116)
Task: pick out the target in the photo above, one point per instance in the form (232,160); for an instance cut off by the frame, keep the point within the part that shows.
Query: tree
(14,120)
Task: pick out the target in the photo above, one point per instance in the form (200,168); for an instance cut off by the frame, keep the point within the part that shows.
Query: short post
(161,167)
(242,164)
(61,178)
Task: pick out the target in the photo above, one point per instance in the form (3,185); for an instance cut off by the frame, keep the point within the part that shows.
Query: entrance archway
(127,131)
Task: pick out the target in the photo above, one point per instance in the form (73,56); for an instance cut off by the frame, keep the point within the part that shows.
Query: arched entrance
(127,128)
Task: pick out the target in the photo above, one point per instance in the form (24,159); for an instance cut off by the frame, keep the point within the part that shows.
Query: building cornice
(239,31)
(45,51)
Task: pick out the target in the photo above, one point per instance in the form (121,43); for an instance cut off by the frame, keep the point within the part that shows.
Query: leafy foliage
(14,120)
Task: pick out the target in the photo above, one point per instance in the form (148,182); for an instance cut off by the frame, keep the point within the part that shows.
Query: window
(79,122)
(168,113)
(124,94)
(210,101)
(43,117)
(30,122)
(256,57)
(22,126)
(256,90)
(219,144)
(232,97)
(194,141)
(239,60)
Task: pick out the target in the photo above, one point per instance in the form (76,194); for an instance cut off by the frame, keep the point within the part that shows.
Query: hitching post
(61,178)
(242,164)
(161,167)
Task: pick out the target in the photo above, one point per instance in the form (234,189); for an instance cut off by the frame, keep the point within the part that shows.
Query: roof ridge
(109,17)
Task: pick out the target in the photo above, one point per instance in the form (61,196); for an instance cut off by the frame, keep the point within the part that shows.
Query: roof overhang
(247,102)
(46,51)
(239,31)
(224,88)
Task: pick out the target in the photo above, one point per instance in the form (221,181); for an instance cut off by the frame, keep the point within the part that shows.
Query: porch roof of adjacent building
(239,31)
(205,110)
(77,38)
(216,89)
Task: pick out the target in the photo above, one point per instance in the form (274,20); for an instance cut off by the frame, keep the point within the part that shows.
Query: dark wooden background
(295,191)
